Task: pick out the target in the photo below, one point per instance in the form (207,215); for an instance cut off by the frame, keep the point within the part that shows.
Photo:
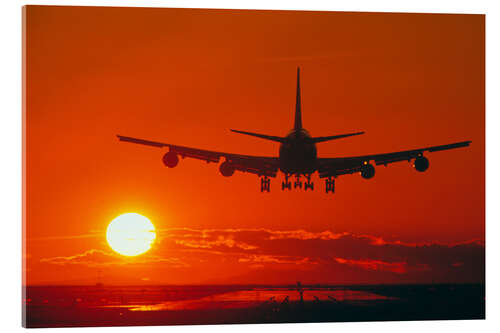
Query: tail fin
(298,112)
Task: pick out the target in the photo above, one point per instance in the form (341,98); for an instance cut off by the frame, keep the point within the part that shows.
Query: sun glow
(131,234)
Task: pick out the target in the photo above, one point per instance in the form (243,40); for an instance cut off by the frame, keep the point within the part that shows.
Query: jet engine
(170,159)
(226,169)
(421,164)
(367,171)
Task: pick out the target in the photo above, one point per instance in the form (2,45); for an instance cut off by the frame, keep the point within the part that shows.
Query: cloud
(371,253)
(379,265)
(276,259)
(92,234)
(95,257)
(327,254)
(91,257)
(303,235)
(220,241)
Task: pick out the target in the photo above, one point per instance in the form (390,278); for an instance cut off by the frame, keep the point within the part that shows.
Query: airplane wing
(331,167)
(262,166)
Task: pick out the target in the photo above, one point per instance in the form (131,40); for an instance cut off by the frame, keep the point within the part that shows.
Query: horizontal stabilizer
(140,141)
(334,137)
(262,136)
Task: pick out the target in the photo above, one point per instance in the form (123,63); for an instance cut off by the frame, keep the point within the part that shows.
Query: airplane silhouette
(297,157)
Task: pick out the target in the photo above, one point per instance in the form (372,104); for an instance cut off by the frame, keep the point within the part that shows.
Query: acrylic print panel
(351,189)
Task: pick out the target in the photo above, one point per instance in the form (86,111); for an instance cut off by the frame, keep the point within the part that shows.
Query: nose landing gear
(265,184)
(330,185)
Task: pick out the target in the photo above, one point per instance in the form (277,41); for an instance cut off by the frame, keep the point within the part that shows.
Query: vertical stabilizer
(298,112)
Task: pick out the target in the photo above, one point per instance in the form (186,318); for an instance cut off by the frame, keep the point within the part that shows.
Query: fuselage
(298,153)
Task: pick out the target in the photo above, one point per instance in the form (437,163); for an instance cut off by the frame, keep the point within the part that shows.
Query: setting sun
(130,234)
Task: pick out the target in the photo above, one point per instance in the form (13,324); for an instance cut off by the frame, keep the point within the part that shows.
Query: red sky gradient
(185,77)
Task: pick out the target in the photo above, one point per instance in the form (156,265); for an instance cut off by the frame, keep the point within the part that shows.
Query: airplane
(297,157)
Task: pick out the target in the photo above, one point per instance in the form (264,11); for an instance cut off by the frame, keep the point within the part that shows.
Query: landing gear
(297,183)
(309,183)
(286,184)
(330,185)
(265,184)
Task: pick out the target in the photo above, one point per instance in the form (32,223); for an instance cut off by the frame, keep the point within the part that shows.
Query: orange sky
(187,76)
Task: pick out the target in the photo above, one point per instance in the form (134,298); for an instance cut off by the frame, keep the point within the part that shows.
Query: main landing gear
(265,184)
(309,183)
(330,185)
(286,184)
(297,183)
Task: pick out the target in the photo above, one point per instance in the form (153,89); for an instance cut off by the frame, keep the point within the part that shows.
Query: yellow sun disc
(131,234)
